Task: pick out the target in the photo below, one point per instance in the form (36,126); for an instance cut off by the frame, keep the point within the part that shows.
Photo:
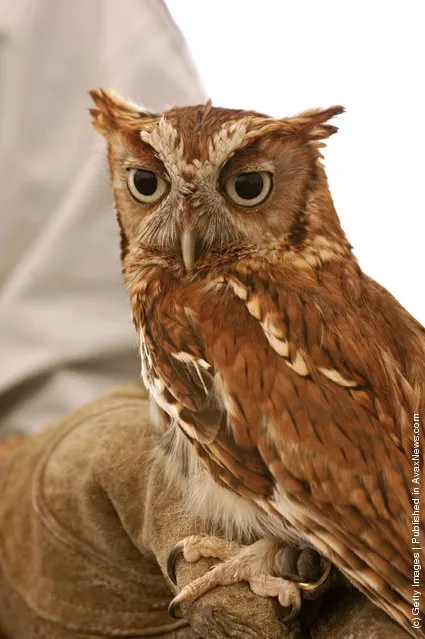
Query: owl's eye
(249,189)
(145,186)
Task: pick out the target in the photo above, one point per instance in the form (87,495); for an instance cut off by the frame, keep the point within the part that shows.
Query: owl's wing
(332,417)
(183,380)
(311,416)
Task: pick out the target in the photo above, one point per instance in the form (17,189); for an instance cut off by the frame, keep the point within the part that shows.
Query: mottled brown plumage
(293,375)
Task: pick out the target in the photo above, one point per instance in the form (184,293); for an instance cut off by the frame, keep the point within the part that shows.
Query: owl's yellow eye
(249,189)
(145,186)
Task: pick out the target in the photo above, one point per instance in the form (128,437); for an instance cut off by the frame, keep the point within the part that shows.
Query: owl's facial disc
(192,180)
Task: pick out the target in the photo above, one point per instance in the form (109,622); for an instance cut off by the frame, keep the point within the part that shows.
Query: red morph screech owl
(289,378)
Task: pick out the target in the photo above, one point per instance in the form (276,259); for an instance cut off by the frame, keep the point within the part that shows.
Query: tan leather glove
(85,520)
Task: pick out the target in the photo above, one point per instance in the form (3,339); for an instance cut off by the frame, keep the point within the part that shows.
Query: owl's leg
(261,564)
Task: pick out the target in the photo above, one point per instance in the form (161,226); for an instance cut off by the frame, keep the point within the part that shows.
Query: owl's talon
(173,608)
(175,551)
(288,613)
(255,564)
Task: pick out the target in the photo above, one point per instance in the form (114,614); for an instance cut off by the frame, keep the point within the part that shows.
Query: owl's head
(198,178)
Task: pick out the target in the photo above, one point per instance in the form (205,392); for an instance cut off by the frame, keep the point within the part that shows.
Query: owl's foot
(270,568)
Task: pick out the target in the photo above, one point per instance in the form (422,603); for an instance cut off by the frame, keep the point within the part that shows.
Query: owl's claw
(175,551)
(173,608)
(259,564)
(288,613)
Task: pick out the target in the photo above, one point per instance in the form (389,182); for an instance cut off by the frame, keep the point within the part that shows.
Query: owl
(288,385)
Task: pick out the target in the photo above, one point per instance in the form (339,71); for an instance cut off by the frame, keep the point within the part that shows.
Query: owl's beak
(187,242)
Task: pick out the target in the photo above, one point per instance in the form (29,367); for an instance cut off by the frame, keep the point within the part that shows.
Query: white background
(282,57)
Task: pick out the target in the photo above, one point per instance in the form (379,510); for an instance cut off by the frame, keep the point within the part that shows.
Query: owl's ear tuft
(112,112)
(313,124)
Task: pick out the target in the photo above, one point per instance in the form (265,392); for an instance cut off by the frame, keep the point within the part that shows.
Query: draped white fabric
(65,333)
